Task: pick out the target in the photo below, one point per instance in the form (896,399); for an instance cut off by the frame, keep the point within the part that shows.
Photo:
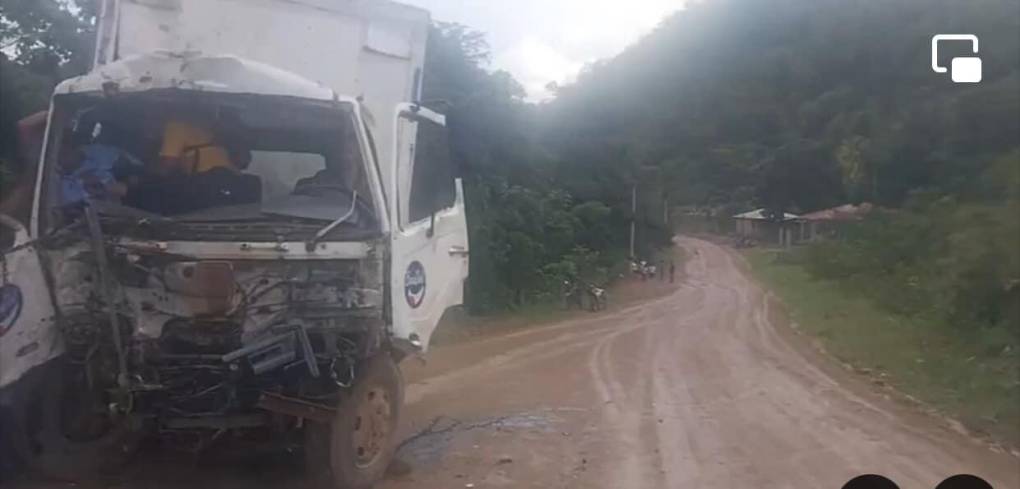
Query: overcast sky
(540,41)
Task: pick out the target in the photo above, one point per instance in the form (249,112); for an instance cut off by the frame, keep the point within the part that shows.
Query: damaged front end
(221,342)
(221,285)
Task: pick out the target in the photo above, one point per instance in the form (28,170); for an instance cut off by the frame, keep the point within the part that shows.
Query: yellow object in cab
(193,147)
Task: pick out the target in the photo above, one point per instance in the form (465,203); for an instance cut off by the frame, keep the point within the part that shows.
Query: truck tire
(54,440)
(354,451)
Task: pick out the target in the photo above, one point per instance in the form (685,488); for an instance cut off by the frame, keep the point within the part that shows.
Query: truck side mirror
(458,184)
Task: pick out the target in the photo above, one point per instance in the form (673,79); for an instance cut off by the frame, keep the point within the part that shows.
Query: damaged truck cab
(243,219)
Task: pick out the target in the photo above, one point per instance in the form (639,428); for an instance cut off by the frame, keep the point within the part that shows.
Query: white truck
(244,218)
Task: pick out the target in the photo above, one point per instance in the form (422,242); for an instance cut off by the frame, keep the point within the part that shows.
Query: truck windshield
(208,157)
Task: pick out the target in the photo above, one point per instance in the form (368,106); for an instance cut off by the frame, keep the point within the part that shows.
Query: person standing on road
(672,271)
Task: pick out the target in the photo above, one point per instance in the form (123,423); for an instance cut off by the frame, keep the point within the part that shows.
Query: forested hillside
(799,104)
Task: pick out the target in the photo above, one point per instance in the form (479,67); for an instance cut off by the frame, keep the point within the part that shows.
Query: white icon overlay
(965,69)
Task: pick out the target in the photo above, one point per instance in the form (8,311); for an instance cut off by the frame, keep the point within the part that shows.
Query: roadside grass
(921,358)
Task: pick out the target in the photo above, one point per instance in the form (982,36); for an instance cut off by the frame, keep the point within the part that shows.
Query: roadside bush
(949,263)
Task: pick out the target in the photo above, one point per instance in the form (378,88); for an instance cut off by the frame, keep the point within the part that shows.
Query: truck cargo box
(373,49)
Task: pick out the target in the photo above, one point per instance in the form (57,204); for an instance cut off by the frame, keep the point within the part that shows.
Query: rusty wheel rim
(372,426)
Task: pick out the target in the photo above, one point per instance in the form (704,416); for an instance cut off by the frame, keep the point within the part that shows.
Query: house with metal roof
(759,225)
(829,222)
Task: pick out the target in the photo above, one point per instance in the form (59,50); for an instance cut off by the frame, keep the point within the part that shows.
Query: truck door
(429,239)
(28,332)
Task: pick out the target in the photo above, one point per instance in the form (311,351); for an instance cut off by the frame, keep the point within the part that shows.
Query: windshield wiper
(310,244)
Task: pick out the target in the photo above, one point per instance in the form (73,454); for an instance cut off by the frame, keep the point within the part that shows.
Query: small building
(830,222)
(757,225)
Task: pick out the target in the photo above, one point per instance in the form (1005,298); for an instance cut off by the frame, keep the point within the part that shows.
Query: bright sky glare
(539,41)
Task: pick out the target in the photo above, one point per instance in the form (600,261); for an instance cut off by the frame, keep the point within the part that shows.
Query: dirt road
(697,389)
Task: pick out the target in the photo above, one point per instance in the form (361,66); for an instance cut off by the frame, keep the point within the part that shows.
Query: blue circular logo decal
(10,306)
(414,284)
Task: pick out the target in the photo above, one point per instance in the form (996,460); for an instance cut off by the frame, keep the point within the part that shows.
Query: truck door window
(432,177)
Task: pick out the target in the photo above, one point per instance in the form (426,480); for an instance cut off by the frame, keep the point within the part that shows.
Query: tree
(534,218)
(41,42)
(49,37)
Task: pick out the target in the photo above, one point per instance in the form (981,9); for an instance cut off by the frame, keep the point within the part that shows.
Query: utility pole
(633,217)
(665,212)
(644,171)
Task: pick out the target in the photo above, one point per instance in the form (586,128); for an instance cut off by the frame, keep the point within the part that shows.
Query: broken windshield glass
(211,157)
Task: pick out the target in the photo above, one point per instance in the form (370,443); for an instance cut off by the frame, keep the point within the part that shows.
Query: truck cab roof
(198,72)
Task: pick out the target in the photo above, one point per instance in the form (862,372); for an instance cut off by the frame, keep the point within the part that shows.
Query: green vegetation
(971,376)
(530,226)
(42,42)
(794,105)
(928,293)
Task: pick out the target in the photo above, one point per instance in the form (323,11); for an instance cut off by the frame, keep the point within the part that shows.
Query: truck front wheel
(354,452)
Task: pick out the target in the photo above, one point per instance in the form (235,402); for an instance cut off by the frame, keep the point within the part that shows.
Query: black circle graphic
(964,481)
(870,481)
(414,284)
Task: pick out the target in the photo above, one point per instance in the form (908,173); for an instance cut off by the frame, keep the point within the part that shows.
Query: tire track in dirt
(624,405)
(808,414)
(700,389)
(575,335)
